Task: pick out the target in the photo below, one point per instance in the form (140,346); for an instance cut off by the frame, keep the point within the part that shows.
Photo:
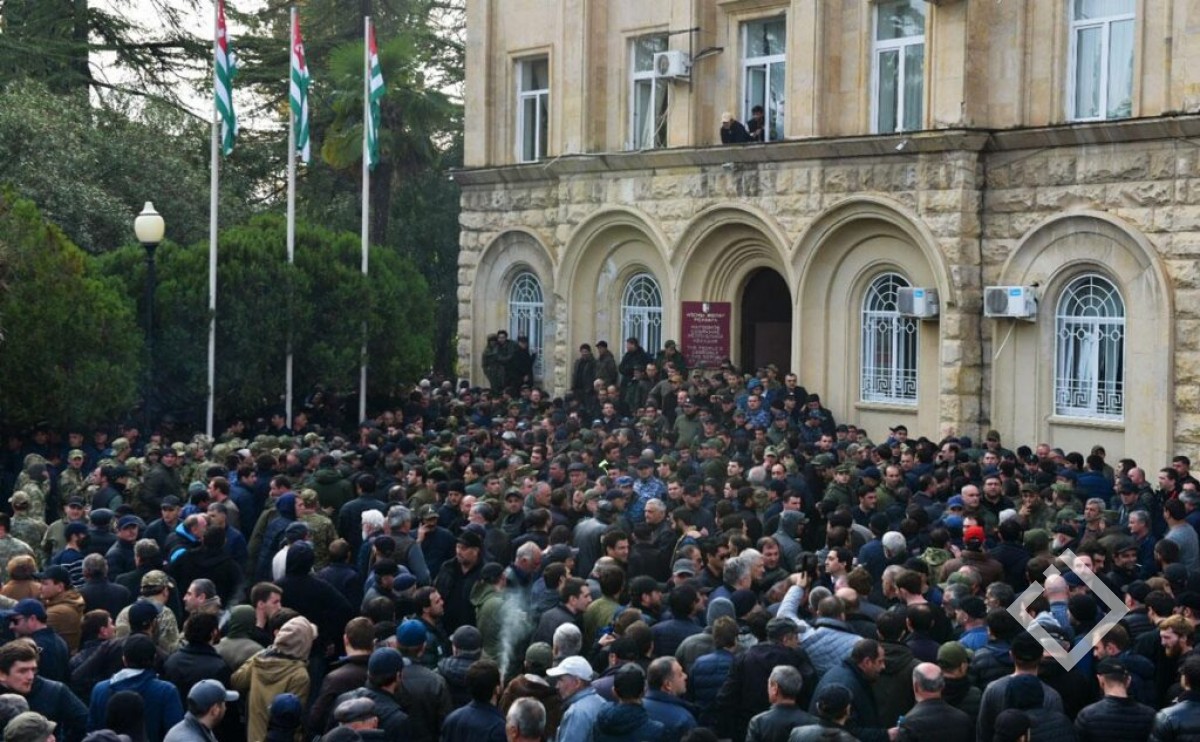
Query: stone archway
(766,321)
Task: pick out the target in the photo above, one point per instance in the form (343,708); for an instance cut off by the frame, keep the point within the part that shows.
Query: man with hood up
(272,538)
(312,597)
(893,688)
(163,708)
(236,647)
(278,669)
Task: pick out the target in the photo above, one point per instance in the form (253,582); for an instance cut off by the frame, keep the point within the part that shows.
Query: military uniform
(38,494)
(166,629)
(27,530)
(12,547)
(71,483)
(322,533)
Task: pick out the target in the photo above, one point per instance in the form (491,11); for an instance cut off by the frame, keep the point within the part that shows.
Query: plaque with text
(705,338)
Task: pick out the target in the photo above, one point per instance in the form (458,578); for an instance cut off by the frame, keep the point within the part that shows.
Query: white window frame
(639,78)
(642,311)
(1089,333)
(1105,24)
(890,345)
(900,46)
(766,63)
(527,314)
(541,98)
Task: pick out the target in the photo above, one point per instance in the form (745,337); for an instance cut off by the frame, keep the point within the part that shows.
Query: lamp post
(149,228)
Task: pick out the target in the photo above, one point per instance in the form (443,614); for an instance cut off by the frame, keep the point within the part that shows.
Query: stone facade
(997,191)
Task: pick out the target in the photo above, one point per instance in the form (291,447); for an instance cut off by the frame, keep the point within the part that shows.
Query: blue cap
(30,607)
(386,661)
(624,481)
(411,633)
(955,502)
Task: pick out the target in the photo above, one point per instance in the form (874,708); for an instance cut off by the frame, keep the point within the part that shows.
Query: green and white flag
(224,68)
(375,90)
(298,94)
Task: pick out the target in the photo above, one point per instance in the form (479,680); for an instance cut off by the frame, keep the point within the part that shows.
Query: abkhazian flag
(224,68)
(375,92)
(298,97)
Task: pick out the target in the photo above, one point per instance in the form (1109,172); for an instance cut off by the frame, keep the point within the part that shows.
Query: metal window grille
(526,311)
(642,312)
(889,345)
(1089,379)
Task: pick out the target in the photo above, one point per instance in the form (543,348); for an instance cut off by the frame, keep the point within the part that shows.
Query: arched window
(642,312)
(1089,352)
(889,345)
(526,308)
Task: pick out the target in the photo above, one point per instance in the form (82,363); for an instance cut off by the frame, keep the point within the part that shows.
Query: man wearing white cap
(581,703)
(205,710)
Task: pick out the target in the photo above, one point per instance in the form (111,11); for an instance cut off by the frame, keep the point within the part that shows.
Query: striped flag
(298,97)
(375,91)
(224,68)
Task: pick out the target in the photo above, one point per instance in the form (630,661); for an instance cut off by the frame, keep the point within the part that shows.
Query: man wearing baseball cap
(206,707)
(581,703)
(28,619)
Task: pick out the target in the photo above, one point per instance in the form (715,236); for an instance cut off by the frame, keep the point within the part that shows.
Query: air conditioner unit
(1018,302)
(918,302)
(671,63)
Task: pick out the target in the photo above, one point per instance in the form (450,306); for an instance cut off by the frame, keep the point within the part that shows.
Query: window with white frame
(1089,352)
(642,312)
(526,311)
(1101,74)
(898,82)
(648,96)
(533,108)
(764,63)
(889,345)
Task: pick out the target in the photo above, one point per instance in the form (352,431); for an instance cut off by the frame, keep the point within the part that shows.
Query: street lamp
(149,228)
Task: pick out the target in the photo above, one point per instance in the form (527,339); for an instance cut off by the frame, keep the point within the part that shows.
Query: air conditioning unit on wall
(917,302)
(671,64)
(1014,302)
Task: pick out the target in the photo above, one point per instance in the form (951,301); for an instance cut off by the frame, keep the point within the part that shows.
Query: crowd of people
(660,554)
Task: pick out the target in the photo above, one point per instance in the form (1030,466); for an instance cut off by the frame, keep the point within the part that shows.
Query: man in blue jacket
(666,682)
(163,707)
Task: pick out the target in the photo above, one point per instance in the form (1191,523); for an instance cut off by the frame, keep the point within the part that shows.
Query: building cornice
(1185,126)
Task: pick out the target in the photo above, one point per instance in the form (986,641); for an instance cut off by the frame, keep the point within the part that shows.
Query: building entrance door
(766,326)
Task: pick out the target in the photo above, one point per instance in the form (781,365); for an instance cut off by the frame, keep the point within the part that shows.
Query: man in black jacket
(382,679)
(1181,720)
(744,693)
(349,673)
(1116,716)
(197,659)
(775,724)
(932,717)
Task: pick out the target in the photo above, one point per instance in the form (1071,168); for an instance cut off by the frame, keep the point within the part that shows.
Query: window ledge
(1087,422)
(908,409)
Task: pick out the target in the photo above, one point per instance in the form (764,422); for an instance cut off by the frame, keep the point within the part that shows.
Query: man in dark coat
(744,693)
(635,358)
(97,591)
(776,723)
(457,579)
(197,659)
(349,673)
(161,481)
(1116,716)
(583,373)
(932,717)
(520,366)
(212,562)
(479,720)
(312,597)
(382,680)
(856,673)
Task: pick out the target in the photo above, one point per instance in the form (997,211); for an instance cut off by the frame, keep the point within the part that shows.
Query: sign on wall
(705,338)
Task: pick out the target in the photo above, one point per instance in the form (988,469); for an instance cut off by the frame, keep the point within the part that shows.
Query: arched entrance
(766,326)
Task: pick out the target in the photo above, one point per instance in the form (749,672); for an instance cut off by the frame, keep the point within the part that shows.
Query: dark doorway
(766,322)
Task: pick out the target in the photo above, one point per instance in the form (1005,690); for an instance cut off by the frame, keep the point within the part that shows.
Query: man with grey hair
(894,545)
(408,552)
(568,641)
(97,591)
(735,575)
(526,721)
(776,723)
(11,704)
(932,717)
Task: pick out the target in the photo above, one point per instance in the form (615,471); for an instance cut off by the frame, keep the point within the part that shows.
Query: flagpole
(215,178)
(366,206)
(291,213)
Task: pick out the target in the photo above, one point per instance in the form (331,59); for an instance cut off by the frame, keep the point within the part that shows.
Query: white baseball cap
(576,666)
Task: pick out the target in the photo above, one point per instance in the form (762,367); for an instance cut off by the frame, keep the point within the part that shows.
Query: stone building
(952,145)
